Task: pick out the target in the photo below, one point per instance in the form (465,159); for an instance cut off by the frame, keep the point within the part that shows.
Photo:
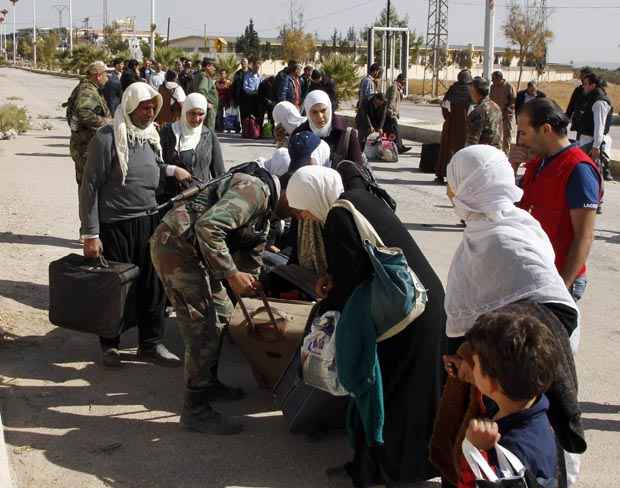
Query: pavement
(69,422)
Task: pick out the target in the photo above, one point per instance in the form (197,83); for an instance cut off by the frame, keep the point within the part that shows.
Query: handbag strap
(477,462)
(366,230)
(508,462)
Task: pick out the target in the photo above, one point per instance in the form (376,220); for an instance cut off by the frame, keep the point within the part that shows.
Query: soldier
(204,82)
(503,94)
(484,123)
(215,238)
(86,112)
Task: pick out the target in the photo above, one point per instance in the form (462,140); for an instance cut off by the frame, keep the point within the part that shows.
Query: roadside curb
(46,72)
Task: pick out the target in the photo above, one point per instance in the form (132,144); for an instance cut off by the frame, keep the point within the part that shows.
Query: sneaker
(440,181)
(158,354)
(111,357)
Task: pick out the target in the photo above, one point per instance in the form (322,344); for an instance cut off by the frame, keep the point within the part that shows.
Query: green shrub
(343,70)
(168,56)
(83,55)
(13,117)
(230,63)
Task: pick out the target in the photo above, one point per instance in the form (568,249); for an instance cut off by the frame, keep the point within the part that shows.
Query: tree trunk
(521,60)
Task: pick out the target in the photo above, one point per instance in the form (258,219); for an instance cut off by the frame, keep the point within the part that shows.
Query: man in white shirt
(597,113)
(158,76)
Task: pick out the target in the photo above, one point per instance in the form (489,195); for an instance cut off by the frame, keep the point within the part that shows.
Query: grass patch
(14,99)
(13,117)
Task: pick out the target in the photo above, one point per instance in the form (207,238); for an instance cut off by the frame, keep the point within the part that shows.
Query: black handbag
(90,295)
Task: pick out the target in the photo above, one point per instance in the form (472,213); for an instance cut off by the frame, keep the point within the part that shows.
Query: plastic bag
(318,355)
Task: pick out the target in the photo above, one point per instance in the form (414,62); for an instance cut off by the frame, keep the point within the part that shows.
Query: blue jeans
(578,288)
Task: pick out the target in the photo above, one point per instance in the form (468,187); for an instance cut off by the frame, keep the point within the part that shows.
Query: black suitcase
(90,295)
(307,409)
(429,157)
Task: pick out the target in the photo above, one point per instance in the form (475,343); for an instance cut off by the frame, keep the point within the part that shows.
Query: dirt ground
(69,422)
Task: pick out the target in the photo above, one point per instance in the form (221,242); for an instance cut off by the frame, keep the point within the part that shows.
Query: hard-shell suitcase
(250,128)
(269,331)
(90,295)
(307,409)
(429,158)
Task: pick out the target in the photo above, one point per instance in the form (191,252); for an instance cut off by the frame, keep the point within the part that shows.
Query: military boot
(218,391)
(199,416)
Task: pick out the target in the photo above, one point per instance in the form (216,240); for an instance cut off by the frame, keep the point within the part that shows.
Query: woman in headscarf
(191,145)
(506,262)
(454,107)
(286,119)
(410,361)
(331,128)
(121,177)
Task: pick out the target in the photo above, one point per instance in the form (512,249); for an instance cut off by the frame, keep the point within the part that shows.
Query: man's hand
(595,153)
(182,175)
(483,434)
(243,284)
(323,286)
(92,248)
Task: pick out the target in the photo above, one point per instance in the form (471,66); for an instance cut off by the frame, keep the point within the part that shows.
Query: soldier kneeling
(218,235)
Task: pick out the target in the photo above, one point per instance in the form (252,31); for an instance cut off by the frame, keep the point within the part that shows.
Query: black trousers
(128,242)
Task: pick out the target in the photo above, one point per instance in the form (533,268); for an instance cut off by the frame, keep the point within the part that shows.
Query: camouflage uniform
(207,87)
(504,96)
(484,125)
(89,111)
(197,246)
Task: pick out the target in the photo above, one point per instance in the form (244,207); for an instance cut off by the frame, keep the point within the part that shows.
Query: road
(71,423)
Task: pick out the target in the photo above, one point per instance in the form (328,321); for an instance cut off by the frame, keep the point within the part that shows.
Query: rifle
(194,190)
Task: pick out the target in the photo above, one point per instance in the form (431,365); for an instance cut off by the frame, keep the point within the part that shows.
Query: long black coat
(410,361)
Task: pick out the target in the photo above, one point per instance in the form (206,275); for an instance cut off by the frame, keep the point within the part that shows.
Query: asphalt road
(68,422)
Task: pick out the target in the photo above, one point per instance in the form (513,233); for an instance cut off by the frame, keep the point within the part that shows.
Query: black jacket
(587,118)
(113,91)
(520,101)
(328,86)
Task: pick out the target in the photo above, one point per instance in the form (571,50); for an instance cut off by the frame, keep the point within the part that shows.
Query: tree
(298,45)
(168,56)
(230,63)
(463,59)
(249,42)
(47,49)
(343,70)
(114,41)
(83,55)
(335,38)
(526,29)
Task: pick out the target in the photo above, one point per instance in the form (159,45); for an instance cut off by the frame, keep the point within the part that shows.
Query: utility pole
(436,40)
(3,14)
(153,29)
(489,38)
(34,33)
(70,27)
(106,13)
(388,52)
(14,33)
(168,34)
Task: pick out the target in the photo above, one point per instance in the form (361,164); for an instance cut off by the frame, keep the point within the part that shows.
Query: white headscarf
(187,136)
(124,130)
(315,189)
(313,98)
(322,154)
(505,255)
(279,162)
(287,115)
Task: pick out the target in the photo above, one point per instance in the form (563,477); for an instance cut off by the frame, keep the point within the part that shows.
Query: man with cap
(87,110)
(503,94)
(484,123)
(205,83)
(212,241)
(121,176)
(306,148)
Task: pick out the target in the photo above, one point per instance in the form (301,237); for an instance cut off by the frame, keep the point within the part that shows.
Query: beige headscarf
(125,132)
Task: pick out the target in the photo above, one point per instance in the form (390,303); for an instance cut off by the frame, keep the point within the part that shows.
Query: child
(515,358)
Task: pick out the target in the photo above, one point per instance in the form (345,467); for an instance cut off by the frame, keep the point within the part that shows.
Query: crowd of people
(446,377)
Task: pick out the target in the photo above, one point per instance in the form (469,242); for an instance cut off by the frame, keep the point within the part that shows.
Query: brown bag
(269,331)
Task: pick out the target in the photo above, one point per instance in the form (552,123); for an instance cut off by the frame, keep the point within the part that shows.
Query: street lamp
(4,13)
(14,33)
(70,27)
(152,29)
(34,33)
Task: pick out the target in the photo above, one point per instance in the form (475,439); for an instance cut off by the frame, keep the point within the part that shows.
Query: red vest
(545,198)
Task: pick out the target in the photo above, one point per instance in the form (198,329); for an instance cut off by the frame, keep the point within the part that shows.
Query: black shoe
(607,176)
(599,209)
(198,416)
(440,181)
(111,357)
(218,391)
(404,149)
(158,354)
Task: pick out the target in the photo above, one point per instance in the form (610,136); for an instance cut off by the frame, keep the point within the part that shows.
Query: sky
(585,30)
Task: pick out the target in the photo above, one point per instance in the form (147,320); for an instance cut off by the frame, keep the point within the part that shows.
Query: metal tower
(60,9)
(436,40)
(106,14)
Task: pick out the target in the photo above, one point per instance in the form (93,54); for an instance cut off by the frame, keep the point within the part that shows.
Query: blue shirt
(251,82)
(529,436)
(583,188)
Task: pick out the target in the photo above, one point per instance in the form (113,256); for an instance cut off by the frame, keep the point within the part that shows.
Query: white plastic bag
(510,467)
(318,355)
(371,149)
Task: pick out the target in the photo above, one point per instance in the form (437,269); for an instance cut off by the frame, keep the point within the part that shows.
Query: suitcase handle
(249,317)
(98,262)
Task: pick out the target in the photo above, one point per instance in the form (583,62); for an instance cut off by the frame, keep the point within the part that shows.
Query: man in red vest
(562,189)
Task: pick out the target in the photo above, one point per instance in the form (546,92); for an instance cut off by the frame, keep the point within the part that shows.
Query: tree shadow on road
(398,181)
(10,238)
(121,426)
(31,294)
(57,145)
(392,169)
(43,155)
(54,137)
(611,236)
(592,407)
(434,227)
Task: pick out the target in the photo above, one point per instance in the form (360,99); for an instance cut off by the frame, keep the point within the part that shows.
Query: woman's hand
(182,175)
(323,286)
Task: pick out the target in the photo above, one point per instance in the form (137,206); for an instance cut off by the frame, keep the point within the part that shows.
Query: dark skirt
(127,241)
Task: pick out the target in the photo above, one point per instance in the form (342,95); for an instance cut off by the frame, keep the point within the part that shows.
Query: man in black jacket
(577,99)
(524,96)
(320,81)
(237,86)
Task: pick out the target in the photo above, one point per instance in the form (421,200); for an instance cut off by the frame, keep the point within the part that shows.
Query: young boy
(515,358)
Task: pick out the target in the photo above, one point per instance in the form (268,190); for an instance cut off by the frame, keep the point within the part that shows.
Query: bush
(229,63)
(168,56)
(83,55)
(343,70)
(14,118)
